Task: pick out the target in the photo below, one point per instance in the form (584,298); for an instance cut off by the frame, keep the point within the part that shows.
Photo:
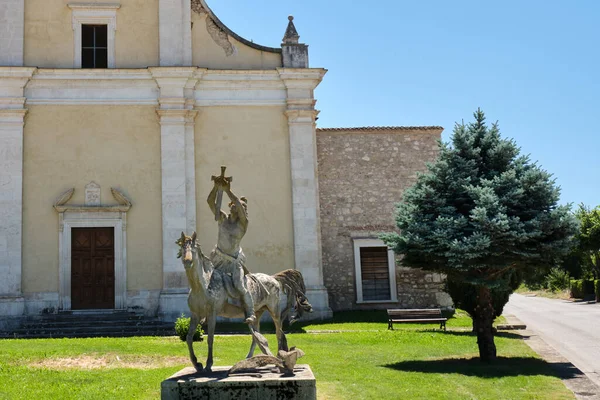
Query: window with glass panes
(94,46)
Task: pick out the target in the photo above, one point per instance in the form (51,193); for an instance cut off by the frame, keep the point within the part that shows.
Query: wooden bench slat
(421,320)
(425,315)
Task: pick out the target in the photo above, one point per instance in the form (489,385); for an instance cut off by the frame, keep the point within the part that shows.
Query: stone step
(87,317)
(96,328)
(90,324)
(87,334)
(87,323)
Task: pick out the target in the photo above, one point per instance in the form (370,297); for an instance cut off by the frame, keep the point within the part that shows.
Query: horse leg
(256,326)
(281,339)
(190,341)
(212,321)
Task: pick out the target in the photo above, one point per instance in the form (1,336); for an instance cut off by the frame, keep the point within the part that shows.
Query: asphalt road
(573,329)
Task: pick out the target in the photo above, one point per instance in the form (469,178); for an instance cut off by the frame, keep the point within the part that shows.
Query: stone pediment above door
(92,201)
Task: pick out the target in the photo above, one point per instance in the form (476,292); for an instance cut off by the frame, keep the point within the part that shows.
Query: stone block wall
(363,173)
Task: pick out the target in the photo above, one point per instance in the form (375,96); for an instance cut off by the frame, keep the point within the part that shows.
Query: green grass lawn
(364,361)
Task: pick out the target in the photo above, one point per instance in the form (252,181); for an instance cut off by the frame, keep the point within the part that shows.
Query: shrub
(182,327)
(577,288)
(557,280)
(597,289)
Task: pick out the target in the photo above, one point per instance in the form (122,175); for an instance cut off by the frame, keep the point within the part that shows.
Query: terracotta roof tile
(382,128)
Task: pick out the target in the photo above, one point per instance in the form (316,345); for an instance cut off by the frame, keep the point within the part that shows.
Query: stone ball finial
(291,17)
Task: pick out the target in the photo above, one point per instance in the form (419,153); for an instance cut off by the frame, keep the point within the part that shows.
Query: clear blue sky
(533,66)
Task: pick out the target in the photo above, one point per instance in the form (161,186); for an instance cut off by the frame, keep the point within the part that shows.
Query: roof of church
(201,6)
(382,128)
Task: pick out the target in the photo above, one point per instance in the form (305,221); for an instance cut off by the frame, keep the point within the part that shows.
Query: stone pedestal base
(187,384)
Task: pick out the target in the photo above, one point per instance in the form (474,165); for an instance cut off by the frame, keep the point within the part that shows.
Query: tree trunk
(484,315)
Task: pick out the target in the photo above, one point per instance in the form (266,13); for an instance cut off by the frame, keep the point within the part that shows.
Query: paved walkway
(573,329)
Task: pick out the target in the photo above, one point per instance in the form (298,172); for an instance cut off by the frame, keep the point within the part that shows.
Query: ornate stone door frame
(75,216)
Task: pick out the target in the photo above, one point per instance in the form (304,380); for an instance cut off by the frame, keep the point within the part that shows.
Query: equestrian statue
(221,285)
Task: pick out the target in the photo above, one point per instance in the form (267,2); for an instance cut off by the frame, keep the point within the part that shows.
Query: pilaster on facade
(300,84)
(177,118)
(178,194)
(12,118)
(190,170)
(12,28)
(175,32)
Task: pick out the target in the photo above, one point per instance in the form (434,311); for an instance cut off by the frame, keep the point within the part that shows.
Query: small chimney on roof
(295,54)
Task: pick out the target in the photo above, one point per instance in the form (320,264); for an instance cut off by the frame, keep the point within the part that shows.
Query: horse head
(187,246)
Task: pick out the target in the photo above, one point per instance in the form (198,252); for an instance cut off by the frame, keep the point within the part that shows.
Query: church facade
(113,117)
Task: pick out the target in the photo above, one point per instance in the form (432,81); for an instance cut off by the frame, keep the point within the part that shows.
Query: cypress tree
(482,214)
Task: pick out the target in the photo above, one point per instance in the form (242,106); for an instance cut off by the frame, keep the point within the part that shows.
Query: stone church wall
(363,173)
(70,146)
(251,141)
(49,33)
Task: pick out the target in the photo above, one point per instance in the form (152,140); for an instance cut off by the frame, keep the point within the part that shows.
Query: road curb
(573,378)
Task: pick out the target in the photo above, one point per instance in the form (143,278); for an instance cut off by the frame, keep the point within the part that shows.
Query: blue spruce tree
(484,215)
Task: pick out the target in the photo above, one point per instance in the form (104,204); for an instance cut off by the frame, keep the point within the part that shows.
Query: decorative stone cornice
(61,206)
(176,86)
(87,74)
(94,6)
(16,72)
(190,117)
(92,86)
(302,116)
(168,87)
(300,84)
(301,78)
(12,117)
(172,72)
(93,13)
(12,83)
(176,116)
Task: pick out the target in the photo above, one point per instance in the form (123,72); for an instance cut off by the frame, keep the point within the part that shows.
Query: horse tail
(292,282)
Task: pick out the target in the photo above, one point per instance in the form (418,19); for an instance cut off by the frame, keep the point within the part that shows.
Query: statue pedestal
(187,384)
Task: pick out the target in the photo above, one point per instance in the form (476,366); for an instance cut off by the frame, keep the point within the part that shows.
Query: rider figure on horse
(227,255)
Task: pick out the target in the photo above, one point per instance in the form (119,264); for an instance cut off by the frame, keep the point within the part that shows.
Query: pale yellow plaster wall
(208,54)
(69,146)
(49,33)
(253,143)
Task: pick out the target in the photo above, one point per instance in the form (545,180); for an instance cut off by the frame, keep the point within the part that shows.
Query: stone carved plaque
(92,194)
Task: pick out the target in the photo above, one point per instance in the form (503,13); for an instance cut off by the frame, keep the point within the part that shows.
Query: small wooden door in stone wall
(92,268)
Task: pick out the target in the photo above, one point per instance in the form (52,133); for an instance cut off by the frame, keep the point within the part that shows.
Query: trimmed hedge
(582,289)
(577,288)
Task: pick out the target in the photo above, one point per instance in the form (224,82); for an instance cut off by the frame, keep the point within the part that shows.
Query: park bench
(415,316)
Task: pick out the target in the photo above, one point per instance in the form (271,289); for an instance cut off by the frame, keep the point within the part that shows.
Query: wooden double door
(92,268)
